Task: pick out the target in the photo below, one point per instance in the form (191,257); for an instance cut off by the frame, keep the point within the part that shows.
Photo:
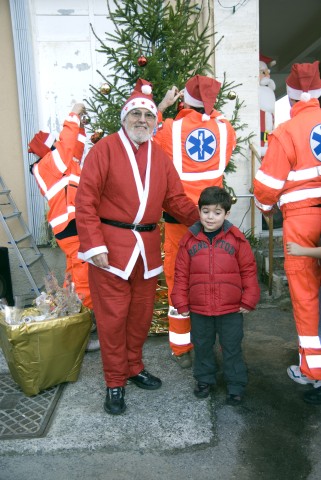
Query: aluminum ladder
(30,259)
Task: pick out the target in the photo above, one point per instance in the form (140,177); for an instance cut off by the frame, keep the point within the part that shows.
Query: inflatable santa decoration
(266,101)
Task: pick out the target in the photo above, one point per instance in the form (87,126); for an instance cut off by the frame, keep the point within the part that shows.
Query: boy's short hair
(215,196)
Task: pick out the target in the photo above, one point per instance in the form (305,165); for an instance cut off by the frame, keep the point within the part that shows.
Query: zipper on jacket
(211,274)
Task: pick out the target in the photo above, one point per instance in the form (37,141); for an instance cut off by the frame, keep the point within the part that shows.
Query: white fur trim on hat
(138,102)
(193,102)
(297,94)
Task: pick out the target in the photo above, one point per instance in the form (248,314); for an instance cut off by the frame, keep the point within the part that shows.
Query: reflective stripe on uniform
(179,338)
(310,341)
(57,187)
(305,174)
(265,208)
(313,361)
(62,218)
(50,140)
(298,195)
(81,138)
(39,178)
(269,181)
(58,161)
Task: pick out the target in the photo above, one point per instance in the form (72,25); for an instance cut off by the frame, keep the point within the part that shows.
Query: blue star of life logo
(201,145)
(315,142)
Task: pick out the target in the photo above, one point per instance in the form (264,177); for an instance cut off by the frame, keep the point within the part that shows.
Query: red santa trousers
(303,226)
(124,312)
(78,269)
(179,326)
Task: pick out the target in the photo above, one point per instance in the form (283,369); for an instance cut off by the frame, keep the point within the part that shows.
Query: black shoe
(146,380)
(313,396)
(233,400)
(202,390)
(115,403)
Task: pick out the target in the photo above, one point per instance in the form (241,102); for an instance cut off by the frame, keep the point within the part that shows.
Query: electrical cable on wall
(234,7)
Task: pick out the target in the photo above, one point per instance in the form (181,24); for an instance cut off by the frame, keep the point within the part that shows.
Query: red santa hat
(141,97)
(201,92)
(267,60)
(41,143)
(304,81)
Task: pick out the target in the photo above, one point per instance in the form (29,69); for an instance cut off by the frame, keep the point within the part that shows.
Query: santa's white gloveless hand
(100,260)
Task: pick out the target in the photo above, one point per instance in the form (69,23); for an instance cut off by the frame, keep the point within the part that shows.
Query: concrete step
(280,286)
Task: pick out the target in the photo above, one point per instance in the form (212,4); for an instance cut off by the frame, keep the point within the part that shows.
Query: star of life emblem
(201,145)
(315,142)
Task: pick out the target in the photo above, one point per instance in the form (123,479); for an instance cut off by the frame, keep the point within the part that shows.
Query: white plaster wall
(238,56)
(65,54)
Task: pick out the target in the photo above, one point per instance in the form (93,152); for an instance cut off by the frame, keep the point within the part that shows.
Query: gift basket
(44,345)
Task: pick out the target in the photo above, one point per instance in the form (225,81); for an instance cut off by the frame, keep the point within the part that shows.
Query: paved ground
(169,434)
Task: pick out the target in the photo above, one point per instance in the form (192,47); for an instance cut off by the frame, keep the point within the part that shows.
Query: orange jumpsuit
(57,175)
(200,152)
(290,174)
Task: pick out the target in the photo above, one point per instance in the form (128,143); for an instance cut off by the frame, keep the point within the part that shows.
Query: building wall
(237,55)
(11,164)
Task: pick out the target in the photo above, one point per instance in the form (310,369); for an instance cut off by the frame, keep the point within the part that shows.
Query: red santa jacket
(111,187)
(217,278)
(200,150)
(58,173)
(290,172)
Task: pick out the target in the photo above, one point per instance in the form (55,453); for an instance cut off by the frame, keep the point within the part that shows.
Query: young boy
(216,282)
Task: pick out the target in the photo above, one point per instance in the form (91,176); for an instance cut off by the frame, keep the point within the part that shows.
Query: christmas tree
(163,43)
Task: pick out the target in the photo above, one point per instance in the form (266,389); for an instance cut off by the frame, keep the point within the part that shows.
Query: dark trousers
(229,329)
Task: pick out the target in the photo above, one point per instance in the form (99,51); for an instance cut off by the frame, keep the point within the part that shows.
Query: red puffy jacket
(217,278)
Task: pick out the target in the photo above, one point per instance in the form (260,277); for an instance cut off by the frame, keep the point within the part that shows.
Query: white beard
(138,137)
(267,82)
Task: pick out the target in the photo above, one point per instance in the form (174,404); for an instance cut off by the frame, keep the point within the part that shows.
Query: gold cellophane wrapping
(43,354)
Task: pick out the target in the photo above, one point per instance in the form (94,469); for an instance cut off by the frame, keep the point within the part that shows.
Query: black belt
(131,226)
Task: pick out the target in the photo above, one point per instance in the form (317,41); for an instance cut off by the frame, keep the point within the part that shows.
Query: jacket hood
(197,229)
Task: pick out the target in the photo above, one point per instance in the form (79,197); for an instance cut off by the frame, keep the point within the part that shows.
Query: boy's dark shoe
(313,396)
(115,402)
(233,400)
(202,390)
(146,380)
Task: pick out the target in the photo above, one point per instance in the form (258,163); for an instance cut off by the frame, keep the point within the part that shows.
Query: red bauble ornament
(180,106)
(97,135)
(142,61)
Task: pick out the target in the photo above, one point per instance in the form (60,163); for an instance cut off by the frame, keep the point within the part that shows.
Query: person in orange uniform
(290,175)
(57,173)
(200,142)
